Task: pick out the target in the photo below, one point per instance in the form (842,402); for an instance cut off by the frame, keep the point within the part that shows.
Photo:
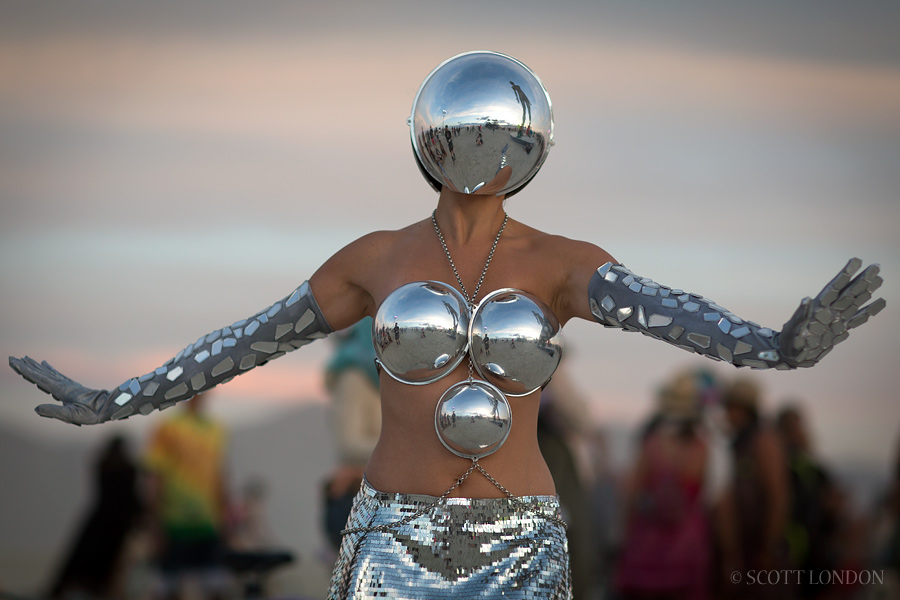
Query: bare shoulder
(570,263)
(367,251)
(343,284)
(569,252)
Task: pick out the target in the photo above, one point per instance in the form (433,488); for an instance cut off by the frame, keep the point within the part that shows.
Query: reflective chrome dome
(420,331)
(481,123)
(472,419)
(516,330)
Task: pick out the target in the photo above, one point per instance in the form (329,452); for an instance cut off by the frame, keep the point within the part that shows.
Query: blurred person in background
(667,545)
(185,459)
(563,423)
(887,535)
(94,564)
(753,514)
(603,486)
(351,378)
(249,528)
(814,516)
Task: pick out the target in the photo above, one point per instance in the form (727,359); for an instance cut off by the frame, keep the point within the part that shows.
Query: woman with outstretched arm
(468,307)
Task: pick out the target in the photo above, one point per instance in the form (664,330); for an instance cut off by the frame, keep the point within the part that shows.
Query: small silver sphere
(482,123)
(472,419)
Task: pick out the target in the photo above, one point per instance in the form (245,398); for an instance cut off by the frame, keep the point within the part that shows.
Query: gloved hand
(80,405)
(822,322)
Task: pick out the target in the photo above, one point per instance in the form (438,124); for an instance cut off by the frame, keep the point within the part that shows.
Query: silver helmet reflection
(481,123)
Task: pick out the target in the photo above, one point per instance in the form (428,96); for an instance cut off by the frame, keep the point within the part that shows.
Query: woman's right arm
(217,357)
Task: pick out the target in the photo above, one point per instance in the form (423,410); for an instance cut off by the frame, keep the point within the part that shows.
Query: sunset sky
(171,167)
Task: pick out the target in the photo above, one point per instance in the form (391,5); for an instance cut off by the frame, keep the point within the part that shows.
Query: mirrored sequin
(251,328)
(724,325)
(769,355)
(595,309)
(178,390)
(198,381)
(724,352)
(266,347)
(608,304)
(699,339)
(223,367)
(123,413)
(742,348)
(624,312)
(657,320)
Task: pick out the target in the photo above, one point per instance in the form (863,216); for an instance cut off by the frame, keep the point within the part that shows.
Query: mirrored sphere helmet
(481,123)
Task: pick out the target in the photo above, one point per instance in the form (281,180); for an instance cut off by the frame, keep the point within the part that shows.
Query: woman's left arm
(617,297)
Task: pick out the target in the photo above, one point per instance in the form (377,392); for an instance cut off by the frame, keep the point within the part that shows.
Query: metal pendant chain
(487,263)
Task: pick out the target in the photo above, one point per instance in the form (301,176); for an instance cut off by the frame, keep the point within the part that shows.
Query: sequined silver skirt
(461,548)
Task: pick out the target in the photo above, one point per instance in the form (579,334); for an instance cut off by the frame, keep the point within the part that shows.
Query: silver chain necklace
(487,263)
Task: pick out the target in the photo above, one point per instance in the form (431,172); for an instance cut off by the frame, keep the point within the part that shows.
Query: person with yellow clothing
(186,457)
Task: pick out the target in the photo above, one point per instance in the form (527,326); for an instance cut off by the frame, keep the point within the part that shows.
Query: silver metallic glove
(215,358)
(619,298)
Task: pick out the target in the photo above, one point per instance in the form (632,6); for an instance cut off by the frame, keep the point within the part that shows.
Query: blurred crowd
(165,525)
(724,498)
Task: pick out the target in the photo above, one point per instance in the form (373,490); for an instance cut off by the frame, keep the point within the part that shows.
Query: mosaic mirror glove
(620,298)
(215,358)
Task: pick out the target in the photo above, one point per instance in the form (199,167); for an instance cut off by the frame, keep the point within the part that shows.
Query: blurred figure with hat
(754,511)
(666,551)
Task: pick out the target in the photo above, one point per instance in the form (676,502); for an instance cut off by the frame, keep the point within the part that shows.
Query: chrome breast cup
(472,419)
(420,331)
(481,123)
(515,341)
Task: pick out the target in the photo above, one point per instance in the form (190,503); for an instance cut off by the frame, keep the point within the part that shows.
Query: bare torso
(409,457)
